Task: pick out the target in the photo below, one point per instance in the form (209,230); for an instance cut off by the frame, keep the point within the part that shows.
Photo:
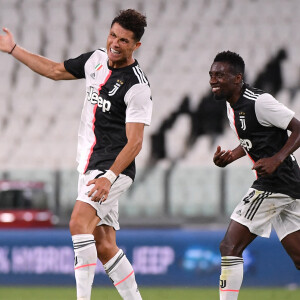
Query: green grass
(56,293)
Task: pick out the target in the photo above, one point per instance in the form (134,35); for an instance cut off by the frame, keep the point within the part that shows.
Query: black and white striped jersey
(113,98)
(260,123)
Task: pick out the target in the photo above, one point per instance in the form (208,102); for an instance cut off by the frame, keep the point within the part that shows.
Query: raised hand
(6,41)
(222,158)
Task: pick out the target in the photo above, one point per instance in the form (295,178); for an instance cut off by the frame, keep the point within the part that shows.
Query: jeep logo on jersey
(96,99)
(246,144)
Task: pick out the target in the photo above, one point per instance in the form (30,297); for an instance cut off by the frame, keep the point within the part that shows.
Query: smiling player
(117,107)
(261,124)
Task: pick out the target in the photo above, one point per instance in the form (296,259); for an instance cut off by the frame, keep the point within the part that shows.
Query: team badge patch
(116,87)
(243,120)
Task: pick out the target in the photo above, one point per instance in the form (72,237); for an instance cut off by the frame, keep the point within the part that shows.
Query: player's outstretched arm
(36,63)
(222,158)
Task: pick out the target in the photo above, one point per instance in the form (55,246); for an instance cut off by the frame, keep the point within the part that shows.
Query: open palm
(6,41)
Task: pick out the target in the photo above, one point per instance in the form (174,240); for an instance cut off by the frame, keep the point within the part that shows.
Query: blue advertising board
(160,257)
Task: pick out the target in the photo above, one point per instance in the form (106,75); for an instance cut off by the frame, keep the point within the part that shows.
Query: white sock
(231,277)
(84,264)
(121,273)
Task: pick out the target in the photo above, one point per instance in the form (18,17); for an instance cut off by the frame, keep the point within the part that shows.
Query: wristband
(110,175)
(13,48)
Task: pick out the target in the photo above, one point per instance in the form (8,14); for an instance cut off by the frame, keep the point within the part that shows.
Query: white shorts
(107,211)
(259,210)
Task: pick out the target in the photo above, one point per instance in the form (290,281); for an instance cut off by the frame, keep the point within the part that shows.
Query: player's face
(120,46)
(222,81)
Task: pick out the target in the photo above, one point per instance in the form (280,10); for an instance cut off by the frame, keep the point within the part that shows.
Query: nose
(115,43)
(212,79)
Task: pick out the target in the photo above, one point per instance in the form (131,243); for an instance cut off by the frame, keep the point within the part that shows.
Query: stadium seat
(180,43)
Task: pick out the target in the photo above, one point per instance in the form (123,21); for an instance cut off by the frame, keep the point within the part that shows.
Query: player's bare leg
(115,263)
(291,244)
(236,239)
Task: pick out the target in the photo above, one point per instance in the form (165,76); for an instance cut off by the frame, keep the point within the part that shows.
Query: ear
(238,78)
(137,45)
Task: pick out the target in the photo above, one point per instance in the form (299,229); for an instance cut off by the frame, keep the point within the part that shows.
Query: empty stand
(179,45)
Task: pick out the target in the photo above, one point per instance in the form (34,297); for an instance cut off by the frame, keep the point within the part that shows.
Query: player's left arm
(138,114)
(266,166)
(135,134)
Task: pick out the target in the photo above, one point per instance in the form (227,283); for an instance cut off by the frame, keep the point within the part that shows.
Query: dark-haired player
(117,106)
(261,124)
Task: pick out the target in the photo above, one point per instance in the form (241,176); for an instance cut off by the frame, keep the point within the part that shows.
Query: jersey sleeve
(75,66)
(139,104)
(270,112)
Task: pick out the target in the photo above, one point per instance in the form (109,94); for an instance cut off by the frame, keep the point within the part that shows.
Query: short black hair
(235,60)
(132,20)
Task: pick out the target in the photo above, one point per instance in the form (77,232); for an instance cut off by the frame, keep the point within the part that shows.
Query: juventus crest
(115,88)
(243,120)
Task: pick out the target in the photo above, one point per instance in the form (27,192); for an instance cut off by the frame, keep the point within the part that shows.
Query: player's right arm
(36,63)
(222,158)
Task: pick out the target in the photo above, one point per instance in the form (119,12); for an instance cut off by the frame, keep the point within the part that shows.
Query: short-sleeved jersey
(260,123)
(114,96)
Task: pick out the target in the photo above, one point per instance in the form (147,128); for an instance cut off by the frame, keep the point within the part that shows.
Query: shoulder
(82,59)
(98,55)
(267,102)
(137,76)
(138,87)
(252,93)
(270,112)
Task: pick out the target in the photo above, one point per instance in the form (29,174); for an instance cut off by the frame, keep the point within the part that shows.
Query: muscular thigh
(107,211)
(236,239)
(83,219)
(291,244)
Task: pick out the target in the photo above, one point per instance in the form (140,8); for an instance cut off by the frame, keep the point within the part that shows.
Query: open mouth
(215,89)
(114,51)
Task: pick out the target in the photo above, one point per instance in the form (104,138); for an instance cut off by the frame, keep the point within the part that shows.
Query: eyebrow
(124,39)
(217,72)
(121,38)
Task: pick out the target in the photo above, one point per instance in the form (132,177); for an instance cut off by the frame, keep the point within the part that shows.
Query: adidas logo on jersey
(94,98)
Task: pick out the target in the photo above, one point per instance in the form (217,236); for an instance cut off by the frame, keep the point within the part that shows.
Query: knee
(79,224)
(230,249)
(103,246)
(76,227)
(105,250)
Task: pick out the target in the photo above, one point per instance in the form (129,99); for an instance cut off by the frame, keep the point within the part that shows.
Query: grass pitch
(68,293)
